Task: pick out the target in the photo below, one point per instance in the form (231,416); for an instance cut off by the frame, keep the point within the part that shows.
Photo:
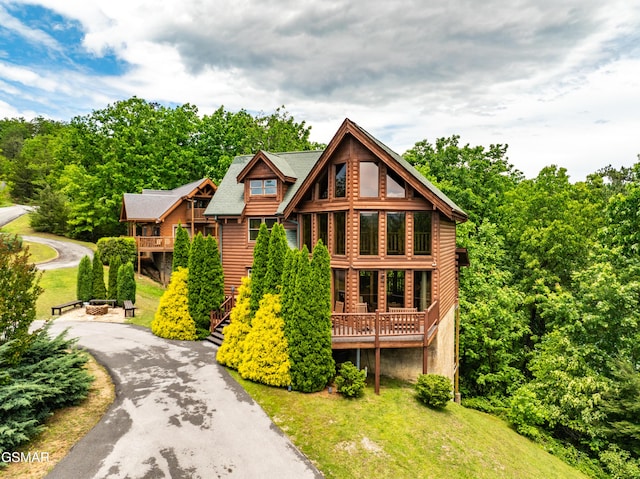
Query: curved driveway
(69,254)
(177,414)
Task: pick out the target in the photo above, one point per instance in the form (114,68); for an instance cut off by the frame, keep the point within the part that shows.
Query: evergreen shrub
(124,248)
(350,381)
(265,358)
(230,352)
(112,283)
(98,289)
(126,284)
(434,390)
(172,319)
(181,248)
(49,374)
(84,286)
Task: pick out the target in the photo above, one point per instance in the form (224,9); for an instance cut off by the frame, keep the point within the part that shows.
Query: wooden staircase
(219,319)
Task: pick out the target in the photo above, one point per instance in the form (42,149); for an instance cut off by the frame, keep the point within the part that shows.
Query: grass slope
(393,435)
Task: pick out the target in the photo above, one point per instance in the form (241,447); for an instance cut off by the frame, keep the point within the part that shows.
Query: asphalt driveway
(177,414)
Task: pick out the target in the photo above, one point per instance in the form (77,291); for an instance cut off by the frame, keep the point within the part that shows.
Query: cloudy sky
(556,80)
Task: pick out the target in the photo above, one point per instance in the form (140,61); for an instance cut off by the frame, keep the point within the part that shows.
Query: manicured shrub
(350,381)
(230,352)
(172,319)
(84,285)
(265,358)
(98,289)
(434,390)
(124,248)
(126,284)
(112,287)
(181,247)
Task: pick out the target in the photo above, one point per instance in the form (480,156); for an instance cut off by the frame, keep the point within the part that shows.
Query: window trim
(263,219)
(259,187)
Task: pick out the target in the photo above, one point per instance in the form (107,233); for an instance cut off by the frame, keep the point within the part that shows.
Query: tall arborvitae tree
(308,320)
(277,252)
(265,358)
(181,247)
(320,358)
(84,285)
(230,352)
(112,288)
(214,273)
(126,283)
(98,289)
(197,301)
(259,268)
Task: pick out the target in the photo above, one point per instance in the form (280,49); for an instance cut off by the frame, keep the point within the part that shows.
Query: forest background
(550,310)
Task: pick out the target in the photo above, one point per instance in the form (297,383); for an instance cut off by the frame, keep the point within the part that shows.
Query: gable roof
(155,205)
(229,198)
(304,167)
(414,177)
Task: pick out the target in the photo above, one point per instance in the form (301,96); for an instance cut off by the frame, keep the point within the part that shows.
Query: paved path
(69,254)
(177,414)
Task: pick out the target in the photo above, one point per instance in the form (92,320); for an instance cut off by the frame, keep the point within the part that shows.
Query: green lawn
(393,435)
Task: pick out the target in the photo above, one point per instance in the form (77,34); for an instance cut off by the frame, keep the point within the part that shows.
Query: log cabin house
(391,235)
(153,216)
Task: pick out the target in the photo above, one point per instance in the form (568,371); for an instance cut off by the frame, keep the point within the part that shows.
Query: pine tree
(230,352)
(265,358)
(289,278)
(172,319)
(84,285)
(126,284)
(259,267)
(114,266)
(181,247)
(98,290)
(276,258)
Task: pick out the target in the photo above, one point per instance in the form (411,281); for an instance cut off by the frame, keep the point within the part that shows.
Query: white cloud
(554,80)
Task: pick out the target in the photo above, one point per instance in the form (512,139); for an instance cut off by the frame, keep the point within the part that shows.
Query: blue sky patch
(57,45)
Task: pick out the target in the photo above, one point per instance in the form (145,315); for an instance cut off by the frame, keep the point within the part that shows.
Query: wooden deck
(398,329)
(154,243)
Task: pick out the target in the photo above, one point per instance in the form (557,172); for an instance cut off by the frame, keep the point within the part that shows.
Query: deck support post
(377,345)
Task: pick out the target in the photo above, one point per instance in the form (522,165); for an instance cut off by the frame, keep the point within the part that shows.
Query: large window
(323,186)
(369,289)
(395,185)
(422,233)
(323,228)
(306,231)
(369,179)
(339,286)
(395,233)
(254,226)
(369,233)
(341,180)
(422,290)
(395,289)
(262,187)
(339,232)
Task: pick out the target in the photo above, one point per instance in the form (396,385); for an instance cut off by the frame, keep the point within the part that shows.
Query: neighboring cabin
(390,232)
(154,215)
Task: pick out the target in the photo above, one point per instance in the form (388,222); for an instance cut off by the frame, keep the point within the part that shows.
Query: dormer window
(263,187)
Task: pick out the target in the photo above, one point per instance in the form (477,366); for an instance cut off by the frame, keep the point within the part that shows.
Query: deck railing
(400,323)
(154,243)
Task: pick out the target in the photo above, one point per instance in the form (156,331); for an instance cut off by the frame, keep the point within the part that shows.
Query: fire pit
(97,309)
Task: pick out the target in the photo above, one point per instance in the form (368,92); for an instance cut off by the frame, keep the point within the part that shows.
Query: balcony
(154,243)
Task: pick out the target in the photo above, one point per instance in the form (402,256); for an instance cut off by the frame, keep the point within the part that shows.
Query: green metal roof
(229,197)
